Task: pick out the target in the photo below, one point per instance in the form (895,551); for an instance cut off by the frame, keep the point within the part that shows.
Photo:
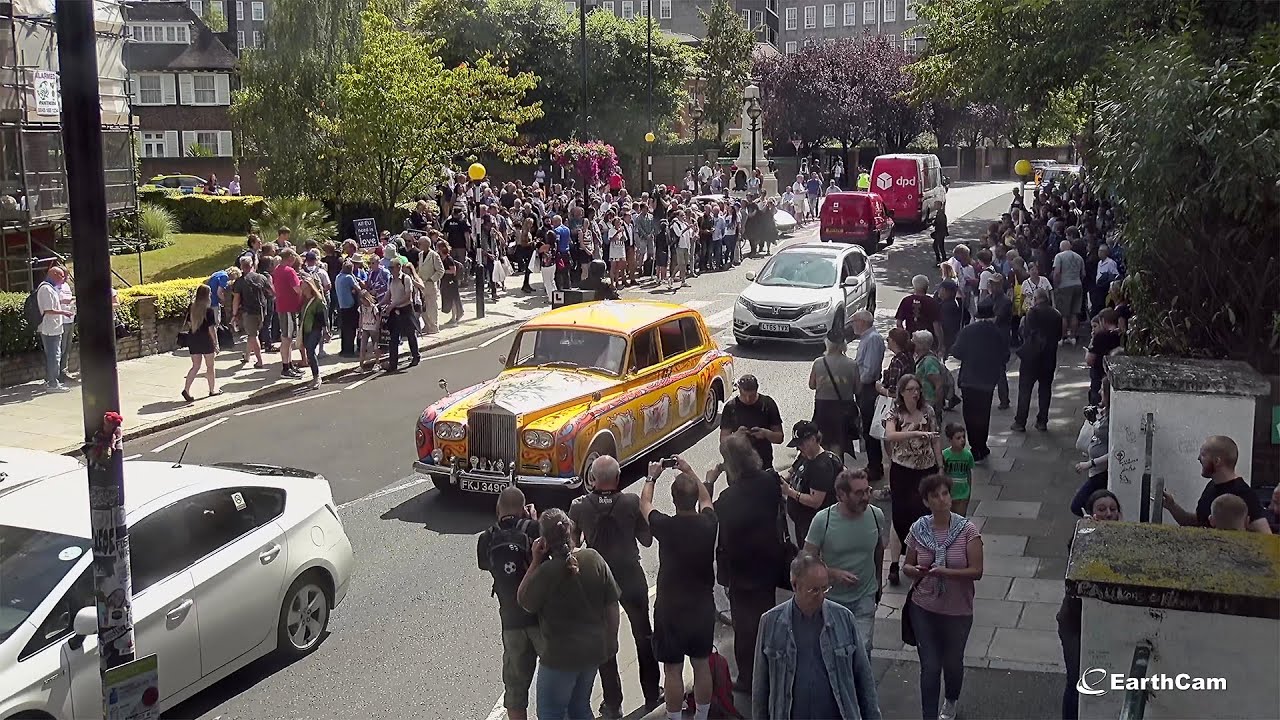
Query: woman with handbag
(915,452)
(202,341)
(834,381)
(944,558)
(314,321)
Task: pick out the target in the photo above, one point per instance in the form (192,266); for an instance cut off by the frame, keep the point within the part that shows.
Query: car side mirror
(946,181)
(84,624)
(751,276)
(851,281)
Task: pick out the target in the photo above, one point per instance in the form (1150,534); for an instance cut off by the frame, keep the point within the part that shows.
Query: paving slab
(1036,646)
(1015,566)
(1054,546)
(997,544)
(992,587)
(1007,509)
(1052,567)
(1019,526)
(996,613)
(983,492)
(1036,590)
(1039,616)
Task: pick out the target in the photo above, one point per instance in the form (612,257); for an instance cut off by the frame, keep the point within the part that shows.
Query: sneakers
(1018,427)
(315,382)
(949,710)
(1042,427)
(610,712)
(59,388)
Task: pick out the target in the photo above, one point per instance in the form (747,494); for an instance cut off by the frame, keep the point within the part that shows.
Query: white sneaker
(57,388)
(949,710)
(315,383)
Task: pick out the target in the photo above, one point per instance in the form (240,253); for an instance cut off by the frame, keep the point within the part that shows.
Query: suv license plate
(775,327)
(492,487)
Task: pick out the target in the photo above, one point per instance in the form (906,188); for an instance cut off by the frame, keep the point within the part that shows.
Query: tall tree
(725,55)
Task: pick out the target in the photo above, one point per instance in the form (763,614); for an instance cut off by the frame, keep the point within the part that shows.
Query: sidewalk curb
(276,388)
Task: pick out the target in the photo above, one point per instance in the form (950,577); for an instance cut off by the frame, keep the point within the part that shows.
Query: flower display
(592,160)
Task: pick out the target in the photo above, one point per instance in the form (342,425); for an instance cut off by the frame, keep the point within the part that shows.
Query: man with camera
(504,550)
(684,612)
(757,415)
(612,523)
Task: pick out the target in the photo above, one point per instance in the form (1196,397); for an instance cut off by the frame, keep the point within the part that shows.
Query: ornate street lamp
(696,113)
(751,98)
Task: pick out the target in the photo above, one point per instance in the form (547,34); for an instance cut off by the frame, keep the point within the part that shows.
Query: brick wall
(152,338)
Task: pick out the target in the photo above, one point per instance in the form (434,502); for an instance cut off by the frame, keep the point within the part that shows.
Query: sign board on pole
(366,232)
(48,94)
(133,690)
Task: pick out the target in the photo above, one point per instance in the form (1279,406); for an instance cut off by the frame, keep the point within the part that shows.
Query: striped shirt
(956,596)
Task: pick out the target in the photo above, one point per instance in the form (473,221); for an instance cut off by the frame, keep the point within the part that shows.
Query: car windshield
(32,562)
(799,269)
(569,348)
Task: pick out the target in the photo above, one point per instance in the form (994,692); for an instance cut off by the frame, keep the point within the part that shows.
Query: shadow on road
(233,685)
(460,514)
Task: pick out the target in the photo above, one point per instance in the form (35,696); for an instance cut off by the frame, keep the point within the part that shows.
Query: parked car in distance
(911,185)
(802,292)
(186,184)
(855,217)
(1051,175)
(229,563)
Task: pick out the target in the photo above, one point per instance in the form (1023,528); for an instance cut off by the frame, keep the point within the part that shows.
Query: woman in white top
(617,251)
(683,229)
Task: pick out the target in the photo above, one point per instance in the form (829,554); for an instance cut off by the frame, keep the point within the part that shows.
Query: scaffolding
(34,211)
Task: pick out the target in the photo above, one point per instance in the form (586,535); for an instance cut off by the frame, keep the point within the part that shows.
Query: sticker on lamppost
(133,690)
(48,96)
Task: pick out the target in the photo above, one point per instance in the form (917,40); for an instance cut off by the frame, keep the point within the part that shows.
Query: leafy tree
(725,59)
(214,18)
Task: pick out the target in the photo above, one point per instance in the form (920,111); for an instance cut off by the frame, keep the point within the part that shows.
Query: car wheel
(600,446)
(711,407)
(304,616)
(445,486)
(871,301)
(838,320)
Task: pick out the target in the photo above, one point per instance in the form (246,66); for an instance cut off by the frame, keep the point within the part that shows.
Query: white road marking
(498,712)
(414,482)
(720,318)
(189,435)
(133,457)
(695,304)
(448,354)
(362,381)
(496,338)
(287,402)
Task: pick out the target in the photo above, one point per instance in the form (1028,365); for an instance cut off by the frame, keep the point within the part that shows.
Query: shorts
(1066,300)
(289,325)
(682,257)
(519,660)
(683,631)
(368,339)
(251,323)
(959,489)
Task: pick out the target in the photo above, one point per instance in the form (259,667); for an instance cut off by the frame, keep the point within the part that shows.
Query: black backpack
(510,553)
(31,311)
(607,536)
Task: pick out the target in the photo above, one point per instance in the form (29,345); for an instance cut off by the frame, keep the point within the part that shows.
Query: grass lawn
(192,255)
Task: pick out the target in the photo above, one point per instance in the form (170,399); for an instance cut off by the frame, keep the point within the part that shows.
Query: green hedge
(199,213)
(15,335)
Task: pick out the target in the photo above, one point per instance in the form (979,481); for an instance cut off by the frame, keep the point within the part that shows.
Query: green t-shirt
(571,611)
(849,544)
(959,465)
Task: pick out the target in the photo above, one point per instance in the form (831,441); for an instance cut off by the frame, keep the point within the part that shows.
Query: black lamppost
(696,113)
(477,173)
(582,37)
(751,98)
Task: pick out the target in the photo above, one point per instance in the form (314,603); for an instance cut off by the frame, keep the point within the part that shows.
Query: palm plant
(156,224)
(306,218)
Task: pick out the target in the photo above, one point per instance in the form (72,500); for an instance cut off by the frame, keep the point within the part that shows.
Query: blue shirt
(870,357)
(812,697)
(813,187)
(562,239)
(217,282)
(345,286)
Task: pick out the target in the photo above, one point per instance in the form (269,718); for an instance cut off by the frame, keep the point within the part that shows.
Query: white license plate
(775,327)
(493,487)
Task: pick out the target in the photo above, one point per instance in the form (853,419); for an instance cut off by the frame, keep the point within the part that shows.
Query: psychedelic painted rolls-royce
(603,378)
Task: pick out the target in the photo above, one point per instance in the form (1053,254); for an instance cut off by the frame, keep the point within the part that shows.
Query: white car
(802,292)
(229,563)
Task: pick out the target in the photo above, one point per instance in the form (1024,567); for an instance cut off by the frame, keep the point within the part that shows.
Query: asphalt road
(417,635)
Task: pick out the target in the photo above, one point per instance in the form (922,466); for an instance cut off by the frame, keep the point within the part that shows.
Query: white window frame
(152,144)
(810,17)
(240,10)
(746,19)
(664,9)
(890,12)
(910,45)
(792,47)
(793,18)
(219,5)
(258,11)
(158,89)
(759,20)
(159,33)
(240,39)
(850,14)
(570,7)
(204,95)
(199,141)
(628,9)
(197,7)
(607,6)
(869,12)
(257,38)
(894,41)
(829,15)
(911,11)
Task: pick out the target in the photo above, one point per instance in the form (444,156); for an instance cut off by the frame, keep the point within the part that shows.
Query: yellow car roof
(609,315)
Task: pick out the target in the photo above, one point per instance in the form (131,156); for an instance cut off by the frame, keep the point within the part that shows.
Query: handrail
(1135,701)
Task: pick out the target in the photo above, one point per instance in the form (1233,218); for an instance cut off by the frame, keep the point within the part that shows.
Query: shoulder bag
(184,332)
(852,416)
(908,631)
(789,548)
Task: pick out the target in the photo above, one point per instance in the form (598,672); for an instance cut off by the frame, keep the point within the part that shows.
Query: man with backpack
(810,486)
(505,551)
(45,313)
(611,523)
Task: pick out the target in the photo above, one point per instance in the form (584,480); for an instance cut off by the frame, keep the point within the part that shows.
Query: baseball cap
(311,255)
(802,431)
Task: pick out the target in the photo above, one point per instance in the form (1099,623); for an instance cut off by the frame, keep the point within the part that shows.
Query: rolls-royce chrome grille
(492,435)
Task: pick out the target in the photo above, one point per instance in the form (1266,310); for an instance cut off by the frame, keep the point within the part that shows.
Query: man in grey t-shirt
(1068,289)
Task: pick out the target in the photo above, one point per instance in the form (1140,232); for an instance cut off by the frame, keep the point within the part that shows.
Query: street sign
(133,690)
(366,232)
(48,94)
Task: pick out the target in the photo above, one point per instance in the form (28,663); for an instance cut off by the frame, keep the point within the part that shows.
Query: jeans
(401,325)
(68,330)
(564,694)
(1030,376)
(746,606)
(52,358)
(1087,488)
(940,641)
(650,681)
(1070,639)
(977,419)
(311,341)
(348,319)
(875,451)
(864,618)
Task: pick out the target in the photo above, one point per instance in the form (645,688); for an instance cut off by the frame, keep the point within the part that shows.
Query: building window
(746,19)
(828,16)
(893,41)
(911,10)
(257,38)
(240,39)
(176,33)
(171,34)
(793,18)
(628,9)
(890,11)
(644,8)
(759,24)
(810,17)
(219,7)
(792,48)
(849,19)
(608,6)
(197,7)
(208,139)
(909,44)
(664,9)
(150,90)
(869,12)
(259,11)
(571,7)
(152,144)
(239,11)
(206,89)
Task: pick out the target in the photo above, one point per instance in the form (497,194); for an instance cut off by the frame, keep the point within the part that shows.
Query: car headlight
(538,439)
(437,456)
(816,307)
(450,431)
(544,465)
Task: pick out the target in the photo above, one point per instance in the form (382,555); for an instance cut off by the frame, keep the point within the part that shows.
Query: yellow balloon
(1022,167)
(476,172)
(650,137)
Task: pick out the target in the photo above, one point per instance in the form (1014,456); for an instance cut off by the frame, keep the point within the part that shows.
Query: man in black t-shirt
(1105,339)
(504,543)
(755,414)
(457,230)
(684,611)
(811,484)
(1218,458)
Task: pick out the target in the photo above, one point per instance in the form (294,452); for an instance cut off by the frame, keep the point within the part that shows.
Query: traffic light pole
(82,149)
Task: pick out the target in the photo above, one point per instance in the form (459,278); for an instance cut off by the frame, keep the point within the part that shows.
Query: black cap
(748,383)
(802,431)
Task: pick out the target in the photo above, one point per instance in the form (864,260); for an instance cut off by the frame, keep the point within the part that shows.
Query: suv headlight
(816,307)
(538,439)
(450,431)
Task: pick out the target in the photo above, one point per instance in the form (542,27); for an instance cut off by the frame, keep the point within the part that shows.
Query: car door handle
(179,611)
(270,554)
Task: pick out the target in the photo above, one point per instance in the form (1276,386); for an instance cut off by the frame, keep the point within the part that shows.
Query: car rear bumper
(455,476)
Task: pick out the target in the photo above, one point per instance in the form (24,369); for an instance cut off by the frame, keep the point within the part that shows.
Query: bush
(307,219)
(15,335)
(156,224)
(199,213)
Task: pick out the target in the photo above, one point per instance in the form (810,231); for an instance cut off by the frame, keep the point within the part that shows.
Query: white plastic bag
(500,273)
(884,407)
(1085,437)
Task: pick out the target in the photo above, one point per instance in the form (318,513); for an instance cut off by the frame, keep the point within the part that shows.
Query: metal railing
(1135,701)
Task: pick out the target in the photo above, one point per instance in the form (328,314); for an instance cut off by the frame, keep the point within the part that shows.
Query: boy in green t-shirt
(958,460)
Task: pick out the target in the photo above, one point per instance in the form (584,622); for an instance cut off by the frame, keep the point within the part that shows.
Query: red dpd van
(855,217)
(910,185)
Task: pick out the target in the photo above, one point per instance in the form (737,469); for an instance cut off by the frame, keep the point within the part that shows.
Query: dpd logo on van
(884,181)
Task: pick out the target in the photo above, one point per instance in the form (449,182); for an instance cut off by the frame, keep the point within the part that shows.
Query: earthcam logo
(1097,681)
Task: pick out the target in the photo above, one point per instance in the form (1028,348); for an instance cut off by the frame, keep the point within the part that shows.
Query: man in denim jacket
(809,660)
